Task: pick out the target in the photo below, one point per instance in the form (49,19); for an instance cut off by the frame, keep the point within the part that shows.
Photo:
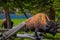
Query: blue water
(13,16)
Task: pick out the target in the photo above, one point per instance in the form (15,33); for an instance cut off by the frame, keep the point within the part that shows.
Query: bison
(4,23)
(40,23)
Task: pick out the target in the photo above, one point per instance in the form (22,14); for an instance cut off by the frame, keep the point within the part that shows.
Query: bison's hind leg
(26,29)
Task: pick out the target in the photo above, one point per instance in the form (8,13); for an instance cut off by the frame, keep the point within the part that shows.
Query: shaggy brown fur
(41,23)
(4,23)
(38,21)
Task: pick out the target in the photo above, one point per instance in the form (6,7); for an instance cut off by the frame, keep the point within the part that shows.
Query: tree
(4,4)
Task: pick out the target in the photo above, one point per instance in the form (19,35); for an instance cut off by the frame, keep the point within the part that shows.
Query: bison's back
(37,21)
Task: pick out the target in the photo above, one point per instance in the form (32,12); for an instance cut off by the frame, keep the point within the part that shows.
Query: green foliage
(33,6)
(56,5)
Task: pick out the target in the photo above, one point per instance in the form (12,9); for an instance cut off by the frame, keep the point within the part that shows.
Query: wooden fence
(10,32)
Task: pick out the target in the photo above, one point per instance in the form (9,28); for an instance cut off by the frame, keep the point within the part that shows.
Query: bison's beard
(52,27)
(53,31)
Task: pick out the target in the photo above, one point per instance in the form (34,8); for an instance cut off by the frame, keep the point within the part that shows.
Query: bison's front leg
(26,30)
(39,35)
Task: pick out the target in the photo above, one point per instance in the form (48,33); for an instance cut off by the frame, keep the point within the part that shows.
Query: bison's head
(51,27)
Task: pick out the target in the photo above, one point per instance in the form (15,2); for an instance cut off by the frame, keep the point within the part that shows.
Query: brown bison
(40,23)
(4,23)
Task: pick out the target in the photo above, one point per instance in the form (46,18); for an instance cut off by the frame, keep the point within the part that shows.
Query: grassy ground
(17,21)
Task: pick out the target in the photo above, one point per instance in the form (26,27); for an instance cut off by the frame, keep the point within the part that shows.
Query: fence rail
(10,32)
(58,30)
(31,36)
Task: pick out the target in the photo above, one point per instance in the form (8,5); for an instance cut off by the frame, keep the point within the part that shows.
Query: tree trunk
(7,17)
(24,13)
(52,13)
(6,8)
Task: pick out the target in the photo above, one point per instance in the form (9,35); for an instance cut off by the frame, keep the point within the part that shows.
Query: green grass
(0,23)
(17,21)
